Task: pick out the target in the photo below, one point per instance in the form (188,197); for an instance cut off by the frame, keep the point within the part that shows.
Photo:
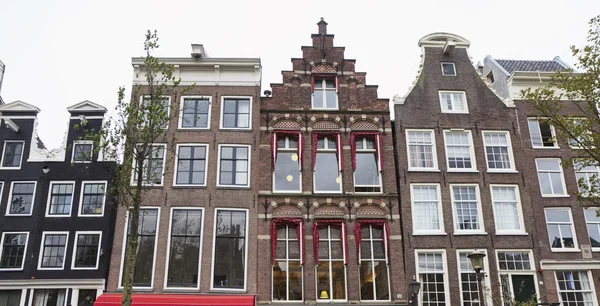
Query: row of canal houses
(310,193)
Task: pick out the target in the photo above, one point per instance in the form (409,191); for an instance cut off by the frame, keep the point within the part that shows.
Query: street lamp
(477,263)
(414,286)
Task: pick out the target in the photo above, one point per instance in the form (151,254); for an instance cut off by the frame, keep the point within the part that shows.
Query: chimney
(198,51)
(322,27)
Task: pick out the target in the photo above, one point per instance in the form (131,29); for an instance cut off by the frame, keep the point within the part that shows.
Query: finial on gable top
(322,26)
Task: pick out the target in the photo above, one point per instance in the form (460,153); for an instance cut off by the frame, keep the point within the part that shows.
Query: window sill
(90,216)
(20,215)
(422,170)
(136,289)
(469,233)
(328,192)
(455,113)
(57,216)
(430,234)
(192,129)
(232,187)
(565,250)
(10,168)
(286,192)
(367,193)
(187,289)
(503,171)
(462,171)
(10,270)
(188,186)
(546,148)
(512,234)
(224,290)
(247,130)
(556,196)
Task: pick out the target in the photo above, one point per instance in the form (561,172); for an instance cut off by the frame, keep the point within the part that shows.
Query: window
(10,297)
(49,297)
(431,270)
(86,297)
(517,276)
(454,102)
(374,274)
(236,113)
(331,269)
(87,250)
(459,151)
(82,151)
(448,69)
(542,133)
(469,293)
(152,172)
(507,209)
(195,113)
(560,229)
(287,175)
(12,154)
(592,221)
(426,209)
(287,269)
(143,272)
(21,198)
(588,177)
(421,150)
(324,94)
(12,250)
(160,111)
(191,165)
(60,199)
(93,198)
(575,288)
(366,175)
(327,177)
(490,77)
(183,255)
(550,175)
(234,166)
(467,209)
(582,134)
(229,249)
(52,251)
(498,151)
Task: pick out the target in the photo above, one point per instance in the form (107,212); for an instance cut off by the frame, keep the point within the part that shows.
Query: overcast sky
(58,53)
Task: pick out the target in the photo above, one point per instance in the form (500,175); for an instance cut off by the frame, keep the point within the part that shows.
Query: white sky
(58,53)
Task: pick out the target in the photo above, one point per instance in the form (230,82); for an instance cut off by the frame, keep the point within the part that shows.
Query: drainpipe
(397,172)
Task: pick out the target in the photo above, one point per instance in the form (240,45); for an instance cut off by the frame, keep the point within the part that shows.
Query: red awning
(177,300)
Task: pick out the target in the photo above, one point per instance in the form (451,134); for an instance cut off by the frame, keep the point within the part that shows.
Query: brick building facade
(199,219)
(462,182)
(327,181)
(569,234)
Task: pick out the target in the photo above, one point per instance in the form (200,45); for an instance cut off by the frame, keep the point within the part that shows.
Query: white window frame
(4,150)
(589,174)
(372,260)
(323,80)
(299,170)
(10,194)
(168,98)
(588,132)
(81,193)
(82,142)
(471,151)
(46,288)
(575,247)
(562,178)
(552,131)
(442,230)
(511,155)
(100,250)
(43,241)
(249,147)
(124,249)
(162,181)
(167,258)
(591,284)
(374,151)
(457,231)
(444,106)
(181,109)
(331,300)
(485,276)
(49,199)
(24,252)
(448,63)
(532,272)
(327,149)
(223,98)
(445,272)
(212,262)
(287,261)
(587,223)
(435,167)
(175,167)
(519,210)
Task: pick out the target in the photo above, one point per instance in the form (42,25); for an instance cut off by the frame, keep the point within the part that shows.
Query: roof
(520,65)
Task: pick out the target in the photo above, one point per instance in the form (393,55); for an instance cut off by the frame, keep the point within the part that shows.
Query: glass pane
(326,175)
(295,281)
(317,101)
(367,173)
(331,99)
(554,215)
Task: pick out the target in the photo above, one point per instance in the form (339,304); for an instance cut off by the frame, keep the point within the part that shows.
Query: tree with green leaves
(570,103)
(137,137)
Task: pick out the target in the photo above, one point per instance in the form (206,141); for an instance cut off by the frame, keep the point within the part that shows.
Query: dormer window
(12,154)
(324,93)
(82,151)
(448,69)
(453,102)
(490,77)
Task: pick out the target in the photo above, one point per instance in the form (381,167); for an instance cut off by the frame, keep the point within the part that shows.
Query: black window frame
(45,244)
(88,247)
(236,113)
(12,152)
(18,247)
(59,195)
(233,170)
(185,111)
(185,236)
(191,170)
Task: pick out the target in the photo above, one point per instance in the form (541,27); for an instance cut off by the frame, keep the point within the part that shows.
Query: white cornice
(19,106)
(208,62)
(440,39)
(547,264)
(87,106)
(50,283)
